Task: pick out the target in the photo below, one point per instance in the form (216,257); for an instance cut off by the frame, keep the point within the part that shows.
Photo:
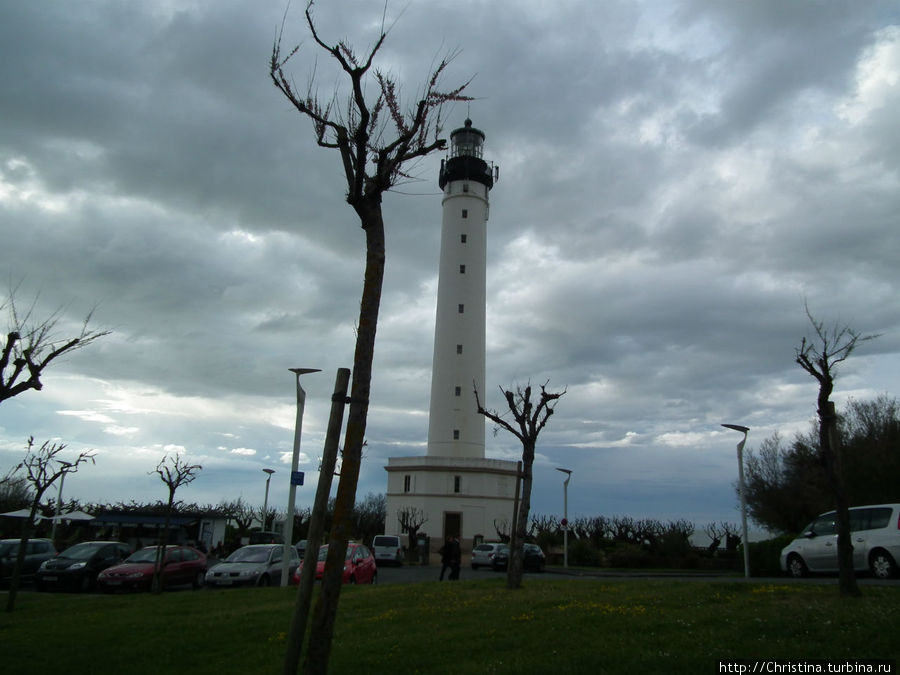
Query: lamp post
(295,462)
(740,457)
(62,480)
(565,520)
(266,500)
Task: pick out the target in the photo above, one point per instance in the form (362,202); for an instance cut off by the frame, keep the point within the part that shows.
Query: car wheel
(375,578)
(351,580)
(85,584)
(796,566)
(263,580)
(199,578)
(882,565)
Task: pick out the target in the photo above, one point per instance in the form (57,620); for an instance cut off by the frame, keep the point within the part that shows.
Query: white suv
(388,549)
(874,533)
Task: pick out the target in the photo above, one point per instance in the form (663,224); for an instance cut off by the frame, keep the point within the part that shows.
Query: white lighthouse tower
(455,429)
(454,487)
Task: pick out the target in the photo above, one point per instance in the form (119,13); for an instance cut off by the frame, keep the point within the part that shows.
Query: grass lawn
(568,626)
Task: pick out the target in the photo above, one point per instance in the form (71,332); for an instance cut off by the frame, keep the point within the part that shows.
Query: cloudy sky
(676,180)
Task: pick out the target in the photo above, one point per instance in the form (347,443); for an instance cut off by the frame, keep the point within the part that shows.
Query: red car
(359,565)
(181,565)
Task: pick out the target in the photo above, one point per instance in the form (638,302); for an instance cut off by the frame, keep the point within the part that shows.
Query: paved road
(416,573)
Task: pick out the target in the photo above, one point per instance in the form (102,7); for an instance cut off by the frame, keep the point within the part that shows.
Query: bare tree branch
(30,346)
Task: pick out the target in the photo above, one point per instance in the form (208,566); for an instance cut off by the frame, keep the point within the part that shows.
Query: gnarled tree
(40,470)
(31,345)
(174,471)
(528,422)
(820,357)
(376,136)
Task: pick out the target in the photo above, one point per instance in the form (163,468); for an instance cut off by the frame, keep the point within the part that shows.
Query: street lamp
(266,500)
(740,457)
(62,480)
(565,520)
(295,462)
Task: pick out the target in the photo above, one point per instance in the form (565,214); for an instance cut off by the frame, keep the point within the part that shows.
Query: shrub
(765,555)
(584,554)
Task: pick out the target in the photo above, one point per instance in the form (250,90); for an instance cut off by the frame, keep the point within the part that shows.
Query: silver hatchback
(486,555)
(874,533)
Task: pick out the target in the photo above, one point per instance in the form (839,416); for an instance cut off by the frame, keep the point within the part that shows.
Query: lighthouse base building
(454,487)
(469,498)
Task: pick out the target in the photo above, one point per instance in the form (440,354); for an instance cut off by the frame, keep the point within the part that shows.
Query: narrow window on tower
(459,349)
(457,391)
(465,213)
(462,269)
(457,484)
(462,239)
(407,480)
(462,308)
(456,434)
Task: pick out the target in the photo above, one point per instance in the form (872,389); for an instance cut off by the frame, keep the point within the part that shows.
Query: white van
(388,549)
(874,533)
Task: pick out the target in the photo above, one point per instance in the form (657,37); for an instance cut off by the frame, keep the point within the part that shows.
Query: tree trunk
(325,611)
(316,524)
(517,538)
(828,441)
(156,585)
(25,534)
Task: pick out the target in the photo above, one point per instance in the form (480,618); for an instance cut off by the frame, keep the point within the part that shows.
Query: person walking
(455,558)
(445,552)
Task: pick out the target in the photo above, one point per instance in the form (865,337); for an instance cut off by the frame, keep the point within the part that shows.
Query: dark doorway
(452,525)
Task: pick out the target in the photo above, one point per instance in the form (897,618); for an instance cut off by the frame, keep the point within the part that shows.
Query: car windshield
(249,555)
(142,556)
(9,548)
(81,551)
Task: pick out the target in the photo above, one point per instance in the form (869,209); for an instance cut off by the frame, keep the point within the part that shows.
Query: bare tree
(820,357)
(411,519)
(31,345)
(715,534)
(242,514)
(41,469)
(529,421)
(501,527)
(375,138)
(174,471)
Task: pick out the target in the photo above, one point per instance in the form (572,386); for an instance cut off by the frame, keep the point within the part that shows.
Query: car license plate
(50,579)
(223,582)
(114,583)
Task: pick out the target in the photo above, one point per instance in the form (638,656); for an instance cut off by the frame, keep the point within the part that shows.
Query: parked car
(533,558)
(255,565)
(875,535)
(36,552)
(359,565)
(77,567)
(388,548)
(484,555)
(181,565)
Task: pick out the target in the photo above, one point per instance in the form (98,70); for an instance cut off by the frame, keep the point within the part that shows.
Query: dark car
(77,567)
(36,552)
(533,558)
(181,565)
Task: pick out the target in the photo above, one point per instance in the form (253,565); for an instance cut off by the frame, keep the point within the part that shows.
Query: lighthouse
(455,429)
(454,490)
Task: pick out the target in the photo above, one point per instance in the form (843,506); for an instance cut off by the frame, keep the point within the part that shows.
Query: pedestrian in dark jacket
(446,560)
